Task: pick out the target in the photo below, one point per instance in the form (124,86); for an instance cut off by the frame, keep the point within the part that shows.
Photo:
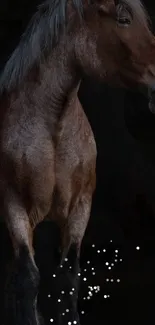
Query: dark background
(124,203)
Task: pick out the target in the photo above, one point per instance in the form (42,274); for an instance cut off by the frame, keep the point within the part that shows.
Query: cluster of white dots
(74,322)
(92,289)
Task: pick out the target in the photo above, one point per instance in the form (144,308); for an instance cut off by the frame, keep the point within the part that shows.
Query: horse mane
(40,37)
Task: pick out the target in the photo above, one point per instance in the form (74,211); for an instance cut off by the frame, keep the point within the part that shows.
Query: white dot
(51,320)
(112,264)
(70,267)
(88,262)
(71,293)
(49,296)
(138,248)
(121,260)
(93,273)
(91,288)
(115,260)
(85,270)
(62,292)
(82,312)
(59,300)
(54,275)
(111,241)
(105,296)
(84,298)
(107,263)
(107,280)
(118,280)
(84,279)
(79,274)
(109,268)
(104,250)
(73,289)
(93,245)
(88,298)
(116,250)
(98,251)
(67,310)
(66,259)
(92,268)
(61,265)
(74,322)
(112,280)
(69,323)
(63,314)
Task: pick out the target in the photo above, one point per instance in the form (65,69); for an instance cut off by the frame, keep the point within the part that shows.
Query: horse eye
(123,21)
(123,15)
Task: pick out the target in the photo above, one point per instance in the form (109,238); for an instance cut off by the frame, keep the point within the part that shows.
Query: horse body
(43,150)
(47,148)
(47,165)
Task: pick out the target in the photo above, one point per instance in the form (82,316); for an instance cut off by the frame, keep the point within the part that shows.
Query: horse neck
(59,83)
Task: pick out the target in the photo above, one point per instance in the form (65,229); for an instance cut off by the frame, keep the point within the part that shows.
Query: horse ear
(107,6)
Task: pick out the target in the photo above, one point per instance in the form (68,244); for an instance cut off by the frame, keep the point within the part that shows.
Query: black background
(124,203)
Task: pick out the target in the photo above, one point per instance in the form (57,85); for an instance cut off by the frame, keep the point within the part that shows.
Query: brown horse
(47,148)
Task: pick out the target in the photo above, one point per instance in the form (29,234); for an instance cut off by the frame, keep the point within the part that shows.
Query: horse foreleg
(23,277)
(69,271)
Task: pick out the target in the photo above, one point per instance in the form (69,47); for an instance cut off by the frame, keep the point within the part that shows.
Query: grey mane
(40,36)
